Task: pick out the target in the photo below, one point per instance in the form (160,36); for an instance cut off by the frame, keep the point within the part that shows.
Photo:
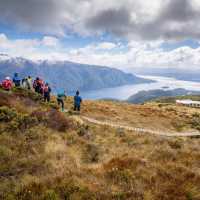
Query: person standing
(16,80)
(47,93)
(7,84)
(29,83)
(38,85)
(60,99)
(77,102)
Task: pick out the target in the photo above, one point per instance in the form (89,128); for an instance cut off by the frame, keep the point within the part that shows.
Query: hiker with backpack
(77,102)
(46,93)
(16,80)
(38,85)
(60,99)
(7,84)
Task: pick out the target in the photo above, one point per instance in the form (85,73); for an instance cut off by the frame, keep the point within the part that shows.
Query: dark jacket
(47,90)
(16,80)
(77,100)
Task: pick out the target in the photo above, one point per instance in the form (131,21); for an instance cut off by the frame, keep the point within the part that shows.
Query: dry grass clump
(91,153)
(58,121)
(195,121)
(53,119)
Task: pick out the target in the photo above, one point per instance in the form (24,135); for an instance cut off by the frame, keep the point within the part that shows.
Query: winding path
(140,130)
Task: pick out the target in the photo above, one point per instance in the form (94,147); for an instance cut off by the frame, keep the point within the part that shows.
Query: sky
(117,33)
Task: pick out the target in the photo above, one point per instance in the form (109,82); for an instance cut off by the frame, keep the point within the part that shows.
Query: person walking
(60,99)
(16,80)
(77,102)
(47,93)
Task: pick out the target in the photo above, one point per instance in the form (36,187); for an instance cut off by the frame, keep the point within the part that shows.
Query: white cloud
(106,45)
(138,19)
(137,54)
(50,41)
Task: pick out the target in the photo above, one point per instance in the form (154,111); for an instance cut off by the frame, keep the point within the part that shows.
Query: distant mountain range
(144,96)
(189,74)
(68,75)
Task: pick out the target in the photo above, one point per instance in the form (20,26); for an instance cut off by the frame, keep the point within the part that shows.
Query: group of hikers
(40,87)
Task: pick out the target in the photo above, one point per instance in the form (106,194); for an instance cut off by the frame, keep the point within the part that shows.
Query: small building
(189,103)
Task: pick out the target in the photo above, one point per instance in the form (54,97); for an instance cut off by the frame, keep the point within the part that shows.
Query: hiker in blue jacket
(77,102)
(16,80)
(60,99)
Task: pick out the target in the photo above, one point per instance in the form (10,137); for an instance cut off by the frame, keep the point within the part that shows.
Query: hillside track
(140,130)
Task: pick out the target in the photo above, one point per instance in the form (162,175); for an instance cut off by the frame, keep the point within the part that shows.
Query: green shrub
(31,191)
(50,195)
(22,122)
(175,144)
(120,132)
(90,153)
(27,93)
(83,130)
(7,114)
(122,177)
(120,196)
(41,115)
(70,190)
(195,121)
(53,105)
(178,125)
(5,153)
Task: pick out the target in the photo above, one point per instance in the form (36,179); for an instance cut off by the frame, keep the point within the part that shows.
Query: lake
(123,92)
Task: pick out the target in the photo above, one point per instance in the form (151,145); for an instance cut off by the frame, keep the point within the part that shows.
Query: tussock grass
(47,155)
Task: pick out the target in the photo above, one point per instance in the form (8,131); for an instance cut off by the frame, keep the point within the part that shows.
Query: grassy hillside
(173,99)
(48,155)
(151,95)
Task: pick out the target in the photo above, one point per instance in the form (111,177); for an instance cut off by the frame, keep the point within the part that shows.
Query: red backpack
(40,83)
(46,89)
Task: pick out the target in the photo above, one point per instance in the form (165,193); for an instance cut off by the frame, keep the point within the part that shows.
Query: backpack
(40,83)
(6,84)
(46,89)
(34,84)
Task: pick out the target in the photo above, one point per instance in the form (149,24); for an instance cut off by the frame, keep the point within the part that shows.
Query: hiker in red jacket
(7,84)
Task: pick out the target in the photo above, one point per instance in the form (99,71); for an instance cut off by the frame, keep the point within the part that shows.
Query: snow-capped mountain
(68,75)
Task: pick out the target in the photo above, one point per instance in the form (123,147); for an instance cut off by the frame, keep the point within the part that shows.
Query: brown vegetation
(46,155)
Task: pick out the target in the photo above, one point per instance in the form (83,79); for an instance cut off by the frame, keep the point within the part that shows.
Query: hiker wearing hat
(7,84)
(77,102)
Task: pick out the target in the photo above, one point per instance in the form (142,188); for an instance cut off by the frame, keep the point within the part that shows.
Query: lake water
(123,92)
